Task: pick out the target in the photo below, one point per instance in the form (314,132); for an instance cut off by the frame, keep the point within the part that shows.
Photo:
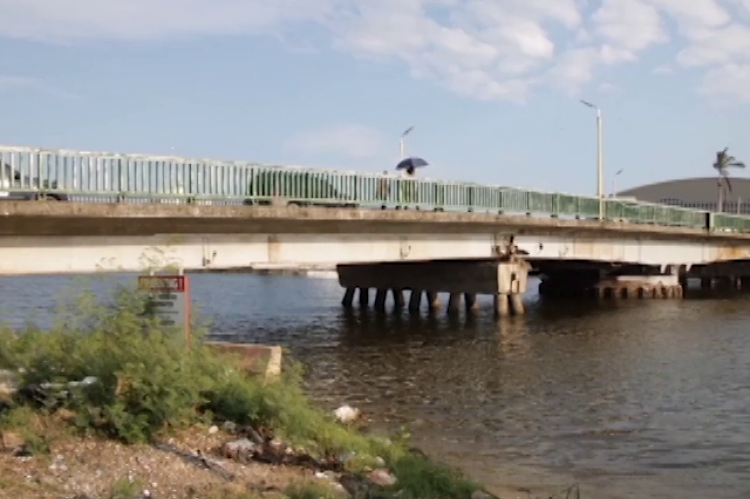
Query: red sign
(170,299)
(162,283)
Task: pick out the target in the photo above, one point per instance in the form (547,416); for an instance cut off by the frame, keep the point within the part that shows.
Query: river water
(636,400)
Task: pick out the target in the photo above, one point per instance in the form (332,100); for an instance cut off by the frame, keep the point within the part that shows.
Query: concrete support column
(516,304)
(380,297)
(364,297)
(454,302)
(348,300)
(433,301)
(415,300)
(684,282)
(500,302)
(724,283)
(470,299)
(398,298)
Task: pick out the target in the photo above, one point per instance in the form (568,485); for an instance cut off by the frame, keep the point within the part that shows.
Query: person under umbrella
(409,189)
(410,165)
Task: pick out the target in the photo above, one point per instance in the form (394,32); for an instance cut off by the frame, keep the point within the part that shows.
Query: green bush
(151,380)
(148,380)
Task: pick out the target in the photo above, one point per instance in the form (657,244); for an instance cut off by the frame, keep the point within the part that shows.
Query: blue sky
(492,86)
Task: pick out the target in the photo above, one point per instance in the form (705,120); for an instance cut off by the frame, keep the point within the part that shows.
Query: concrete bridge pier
(505,280)
(433,301)
(415,301)
(470,301)
(348,301)
(364,297)
(380,296)
(613,286)
(454,303)
(398,298)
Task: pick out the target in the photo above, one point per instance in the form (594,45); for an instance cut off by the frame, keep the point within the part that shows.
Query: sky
(492,87)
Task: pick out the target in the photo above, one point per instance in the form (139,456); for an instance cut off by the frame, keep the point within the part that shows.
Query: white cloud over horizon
(483,49)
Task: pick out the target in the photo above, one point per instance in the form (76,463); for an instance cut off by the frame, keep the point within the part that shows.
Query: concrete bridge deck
(119,219)
(50,237)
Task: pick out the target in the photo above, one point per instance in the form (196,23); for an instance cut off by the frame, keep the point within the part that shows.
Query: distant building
(697,193)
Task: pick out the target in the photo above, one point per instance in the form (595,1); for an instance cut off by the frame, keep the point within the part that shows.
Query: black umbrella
(411,163)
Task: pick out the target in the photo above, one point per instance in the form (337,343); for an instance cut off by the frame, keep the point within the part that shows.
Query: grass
(150,384)
(124,488)
(311,490)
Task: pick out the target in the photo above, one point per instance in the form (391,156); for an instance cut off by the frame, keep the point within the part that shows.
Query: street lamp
(614,182)
(599,166)
(401,142)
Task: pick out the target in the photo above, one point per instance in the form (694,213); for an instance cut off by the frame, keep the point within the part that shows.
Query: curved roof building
(698,193)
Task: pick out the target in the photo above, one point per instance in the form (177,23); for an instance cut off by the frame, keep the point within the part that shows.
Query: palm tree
(723,162)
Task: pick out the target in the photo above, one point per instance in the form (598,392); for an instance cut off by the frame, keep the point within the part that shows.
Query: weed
(310,490)
(150,383)
(30,426)
(125,488)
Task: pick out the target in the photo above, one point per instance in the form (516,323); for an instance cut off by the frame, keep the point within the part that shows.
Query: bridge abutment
(505,280)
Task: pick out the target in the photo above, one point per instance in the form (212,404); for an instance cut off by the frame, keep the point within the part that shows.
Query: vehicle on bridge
(17,187)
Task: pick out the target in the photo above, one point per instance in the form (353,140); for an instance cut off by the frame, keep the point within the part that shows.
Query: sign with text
(170,299)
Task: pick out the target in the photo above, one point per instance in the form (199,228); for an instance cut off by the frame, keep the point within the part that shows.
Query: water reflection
(635,399)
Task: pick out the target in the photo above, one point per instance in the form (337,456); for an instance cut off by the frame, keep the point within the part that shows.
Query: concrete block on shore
(264,360)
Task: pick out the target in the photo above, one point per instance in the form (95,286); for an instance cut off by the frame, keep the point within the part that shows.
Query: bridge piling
(415,301)
(433,301)
(454,303)
(516,304)
(501,305)
(470,302)
(611,287)
(398,298)
(468,278)
(380,297)
(348,301)
(364,297)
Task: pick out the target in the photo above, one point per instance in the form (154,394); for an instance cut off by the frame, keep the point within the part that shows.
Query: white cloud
(663,69)
(347,140)
(34,84)
(630,25)
(486,49)
(606,88)
(731,81)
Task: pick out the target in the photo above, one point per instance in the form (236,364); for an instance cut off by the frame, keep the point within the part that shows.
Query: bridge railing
(136,178)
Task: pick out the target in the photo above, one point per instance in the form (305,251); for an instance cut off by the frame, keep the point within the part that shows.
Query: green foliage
(419,477)
(125,488)
(147,378)
(151,380)
(29,426)
(311,490)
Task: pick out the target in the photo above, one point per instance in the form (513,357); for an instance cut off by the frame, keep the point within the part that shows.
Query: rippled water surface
(636,400)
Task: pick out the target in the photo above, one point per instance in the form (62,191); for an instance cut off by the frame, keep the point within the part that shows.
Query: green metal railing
(81,176)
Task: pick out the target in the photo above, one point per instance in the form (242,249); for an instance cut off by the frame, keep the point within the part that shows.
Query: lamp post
(599,162)
(401,142)
(614,182)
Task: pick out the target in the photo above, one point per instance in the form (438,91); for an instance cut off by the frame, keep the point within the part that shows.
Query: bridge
(76,211)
